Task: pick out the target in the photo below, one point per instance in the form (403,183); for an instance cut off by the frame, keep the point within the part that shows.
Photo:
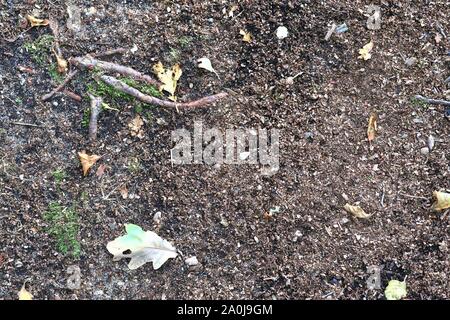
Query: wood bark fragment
(96,108)
(121,86)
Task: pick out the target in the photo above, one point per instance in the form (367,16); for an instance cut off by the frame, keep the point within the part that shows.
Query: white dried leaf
(144,246)
(205,63)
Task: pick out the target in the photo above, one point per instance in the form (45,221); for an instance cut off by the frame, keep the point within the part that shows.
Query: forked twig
(69,77)
(72,74)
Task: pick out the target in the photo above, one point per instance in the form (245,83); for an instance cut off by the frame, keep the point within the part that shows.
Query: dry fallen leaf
(205,63)
(364,53)
(356,211)
(124,192)
(35,22)
(395,290)
(87,161)
(247,36)
(168,78)
(101,170)
(142,247)
(232,10)
(62,64)
(442,200)
(372,127)
(136,127)
(24,294)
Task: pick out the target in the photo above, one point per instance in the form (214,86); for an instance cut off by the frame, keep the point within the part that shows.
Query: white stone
(282,32)
(192,261)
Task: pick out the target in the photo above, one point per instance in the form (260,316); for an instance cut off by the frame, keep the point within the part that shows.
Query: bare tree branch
(90,63)
(119,85)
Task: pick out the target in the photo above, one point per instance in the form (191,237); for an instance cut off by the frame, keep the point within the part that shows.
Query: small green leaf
(134,230)
(395,290)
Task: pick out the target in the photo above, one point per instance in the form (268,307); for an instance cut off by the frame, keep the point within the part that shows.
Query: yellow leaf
(442,200)
(168,78)
(232,10)
(24,294)
(35,22)
(87,161)
(356,211)
(372,127)
(247,36)
(364,53)
(62,64)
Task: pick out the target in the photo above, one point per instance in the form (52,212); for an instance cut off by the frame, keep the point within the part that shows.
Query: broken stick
(96,108)
(433,101)
(109,53)
(89,62)
(119,85)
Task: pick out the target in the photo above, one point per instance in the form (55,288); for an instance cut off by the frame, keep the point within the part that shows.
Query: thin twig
(109,53)
(96,108)
(433,101)
(119,85)
(91,63)
(414,197)
(26,124)
(72,95)
(69,77)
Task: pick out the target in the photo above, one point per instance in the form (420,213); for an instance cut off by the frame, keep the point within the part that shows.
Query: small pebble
(282,32)
(98,292)
(157,217)
(192,261)
(430,142)
(309,136)
(424,151)
(410,61)
(91,11)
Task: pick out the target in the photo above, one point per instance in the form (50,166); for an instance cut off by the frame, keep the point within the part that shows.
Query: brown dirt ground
(332,99)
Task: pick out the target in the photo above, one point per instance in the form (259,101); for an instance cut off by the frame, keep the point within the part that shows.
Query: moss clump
(101,89)
(40,49)
(64,227)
